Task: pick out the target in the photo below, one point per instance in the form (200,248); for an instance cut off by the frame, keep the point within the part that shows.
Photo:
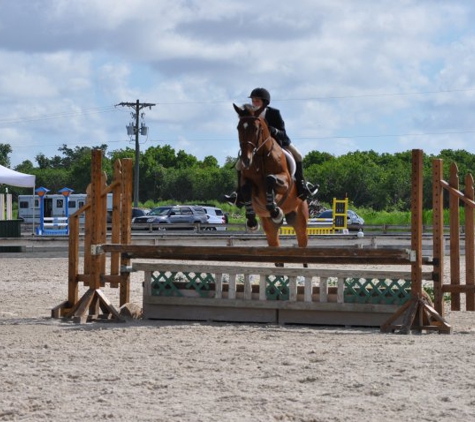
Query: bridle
(256,147)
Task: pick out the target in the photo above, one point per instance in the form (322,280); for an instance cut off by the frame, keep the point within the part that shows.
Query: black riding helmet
(261,93)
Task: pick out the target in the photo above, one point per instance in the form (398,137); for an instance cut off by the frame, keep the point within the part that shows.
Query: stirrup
(312,189)
(232,198)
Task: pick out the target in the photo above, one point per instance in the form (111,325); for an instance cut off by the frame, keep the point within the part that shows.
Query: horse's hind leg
(272,234)
(251,222)
(298,220)
(300,226)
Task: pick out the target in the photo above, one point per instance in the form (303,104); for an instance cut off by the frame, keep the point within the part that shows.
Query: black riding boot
(236,198)
(303,190)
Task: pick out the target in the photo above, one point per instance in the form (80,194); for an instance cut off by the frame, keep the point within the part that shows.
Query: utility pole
(134,130)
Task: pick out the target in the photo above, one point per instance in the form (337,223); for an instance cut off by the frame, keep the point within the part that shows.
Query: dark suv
(183,216)
(136,212)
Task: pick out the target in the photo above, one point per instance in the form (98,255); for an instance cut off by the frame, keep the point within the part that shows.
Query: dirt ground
(177,371)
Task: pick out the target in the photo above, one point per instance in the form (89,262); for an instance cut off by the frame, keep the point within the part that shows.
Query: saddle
(290,162)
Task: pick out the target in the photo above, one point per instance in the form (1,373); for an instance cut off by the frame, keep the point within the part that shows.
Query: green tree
(177,185)
(210,161)
(5,150)
(71,156)
(43,161)
(52,179)
(208,183)
(355,175)
(317,158)
(118,154)
(25,167)
(397,181)
(184,160)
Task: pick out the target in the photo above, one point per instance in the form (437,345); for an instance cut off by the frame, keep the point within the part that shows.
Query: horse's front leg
(251,222)
(276,213)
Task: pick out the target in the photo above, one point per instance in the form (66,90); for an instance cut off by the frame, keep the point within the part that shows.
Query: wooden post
(438,241)
(87,233)
(125,227)
(416,221)
(454,237)
(73,263)
(469,243)
(115,221)
(96,215)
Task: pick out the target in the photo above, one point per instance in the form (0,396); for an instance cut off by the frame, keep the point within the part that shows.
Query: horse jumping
(267,183)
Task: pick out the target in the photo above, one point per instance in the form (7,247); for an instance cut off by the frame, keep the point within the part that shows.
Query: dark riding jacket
(277,126)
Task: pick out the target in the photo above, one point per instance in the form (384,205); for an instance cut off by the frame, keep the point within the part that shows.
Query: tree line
(369,179)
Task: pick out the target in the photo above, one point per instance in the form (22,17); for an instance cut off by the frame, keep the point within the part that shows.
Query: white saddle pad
(290,162)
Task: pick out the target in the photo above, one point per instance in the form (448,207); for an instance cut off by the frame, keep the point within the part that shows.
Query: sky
(347,75)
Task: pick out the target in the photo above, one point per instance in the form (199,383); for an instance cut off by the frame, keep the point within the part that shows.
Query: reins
(257,147)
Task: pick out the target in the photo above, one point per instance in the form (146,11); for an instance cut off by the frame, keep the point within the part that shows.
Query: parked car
(176,214)
(139,212)
(136,212)
(354,221)
(216,218)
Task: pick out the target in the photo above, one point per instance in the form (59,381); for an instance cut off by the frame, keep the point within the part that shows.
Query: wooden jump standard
(417,314)
(94,301)
(456,197)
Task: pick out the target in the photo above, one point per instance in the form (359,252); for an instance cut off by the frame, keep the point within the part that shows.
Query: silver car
(354,221)
(183,216)
(216,218)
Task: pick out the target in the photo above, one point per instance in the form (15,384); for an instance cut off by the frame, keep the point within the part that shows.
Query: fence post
(454,223)
(416,222)
(438,246)
(469,243)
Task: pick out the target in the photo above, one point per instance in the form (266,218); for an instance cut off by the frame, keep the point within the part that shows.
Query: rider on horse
(260,97)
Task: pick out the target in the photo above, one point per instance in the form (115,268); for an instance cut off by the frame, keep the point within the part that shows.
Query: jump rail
(309,255)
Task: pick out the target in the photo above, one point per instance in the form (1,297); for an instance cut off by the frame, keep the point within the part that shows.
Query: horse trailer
(54,206)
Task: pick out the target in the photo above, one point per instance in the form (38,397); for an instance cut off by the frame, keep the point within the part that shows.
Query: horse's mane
(249,109)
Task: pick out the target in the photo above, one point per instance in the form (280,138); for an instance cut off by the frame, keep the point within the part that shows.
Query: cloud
(339,71)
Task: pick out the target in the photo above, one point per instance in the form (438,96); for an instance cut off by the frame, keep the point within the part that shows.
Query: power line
(98,110)
(329,97)
(112,108)
(338,136)
(169,141)
(394,94)
(390,135)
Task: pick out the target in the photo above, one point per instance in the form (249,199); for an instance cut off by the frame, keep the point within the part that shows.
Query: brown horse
(267,185)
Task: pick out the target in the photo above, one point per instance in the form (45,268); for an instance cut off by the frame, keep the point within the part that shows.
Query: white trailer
(54,206)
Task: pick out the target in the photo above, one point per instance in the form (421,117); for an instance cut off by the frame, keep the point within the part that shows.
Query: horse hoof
(253,229)
(277,219)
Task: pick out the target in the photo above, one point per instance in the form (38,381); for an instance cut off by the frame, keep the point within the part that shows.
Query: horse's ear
(238,109)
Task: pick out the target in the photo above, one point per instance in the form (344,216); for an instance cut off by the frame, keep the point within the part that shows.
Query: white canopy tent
(15,178)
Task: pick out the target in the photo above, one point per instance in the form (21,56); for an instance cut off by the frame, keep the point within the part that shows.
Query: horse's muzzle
(246,163)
